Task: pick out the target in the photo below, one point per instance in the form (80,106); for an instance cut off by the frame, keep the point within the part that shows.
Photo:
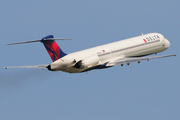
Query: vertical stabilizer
(52,48)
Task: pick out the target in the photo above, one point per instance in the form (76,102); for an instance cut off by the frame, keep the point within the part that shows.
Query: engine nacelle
(62,63)
(87,62)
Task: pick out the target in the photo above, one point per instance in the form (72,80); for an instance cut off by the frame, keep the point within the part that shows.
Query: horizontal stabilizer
(43,39)
(24,42)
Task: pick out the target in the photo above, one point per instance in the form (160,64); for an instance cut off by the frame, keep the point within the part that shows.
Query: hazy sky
(146,91)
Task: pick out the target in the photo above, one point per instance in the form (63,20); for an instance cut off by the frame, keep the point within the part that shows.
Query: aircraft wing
(31,66)
(122,61)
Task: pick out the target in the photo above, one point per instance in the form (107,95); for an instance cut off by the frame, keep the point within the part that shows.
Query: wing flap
(134,59)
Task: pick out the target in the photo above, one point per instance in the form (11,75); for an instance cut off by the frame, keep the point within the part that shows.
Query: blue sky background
(146,91)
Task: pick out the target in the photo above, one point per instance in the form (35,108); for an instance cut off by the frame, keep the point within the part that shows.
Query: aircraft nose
(166,43)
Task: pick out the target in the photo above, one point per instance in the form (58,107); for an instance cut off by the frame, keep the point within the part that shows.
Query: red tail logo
(52,48)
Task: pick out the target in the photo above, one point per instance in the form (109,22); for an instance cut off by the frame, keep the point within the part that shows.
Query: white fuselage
(133,47)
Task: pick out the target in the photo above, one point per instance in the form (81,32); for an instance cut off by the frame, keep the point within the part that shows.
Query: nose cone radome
(166,43)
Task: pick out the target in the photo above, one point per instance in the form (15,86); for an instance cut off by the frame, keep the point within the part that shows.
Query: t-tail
(51,46)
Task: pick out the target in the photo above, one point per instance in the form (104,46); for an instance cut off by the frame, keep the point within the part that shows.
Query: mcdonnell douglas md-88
(117,53)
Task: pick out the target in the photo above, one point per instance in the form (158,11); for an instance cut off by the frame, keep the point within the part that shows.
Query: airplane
(121,52)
